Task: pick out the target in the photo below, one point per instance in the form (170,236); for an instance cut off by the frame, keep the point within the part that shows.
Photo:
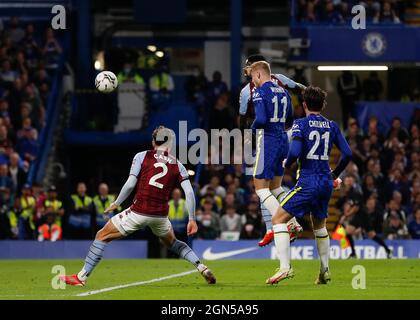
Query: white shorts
(128,221)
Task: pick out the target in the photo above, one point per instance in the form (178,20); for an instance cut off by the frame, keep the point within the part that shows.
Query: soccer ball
(106,81)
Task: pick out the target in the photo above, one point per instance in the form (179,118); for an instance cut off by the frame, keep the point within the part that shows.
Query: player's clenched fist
(337,183)
(192,228)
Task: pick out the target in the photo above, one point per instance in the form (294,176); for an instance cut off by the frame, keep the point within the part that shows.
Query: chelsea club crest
(374,44)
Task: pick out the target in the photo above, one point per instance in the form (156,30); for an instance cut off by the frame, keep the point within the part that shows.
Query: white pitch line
(136,283)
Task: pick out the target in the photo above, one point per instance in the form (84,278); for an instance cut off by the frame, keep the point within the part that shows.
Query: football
(106,81)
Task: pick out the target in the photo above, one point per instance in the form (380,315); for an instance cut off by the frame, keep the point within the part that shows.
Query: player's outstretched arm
(131,182)
(190,204)
(346,153)
(289,83)
(244,97)
(126,190)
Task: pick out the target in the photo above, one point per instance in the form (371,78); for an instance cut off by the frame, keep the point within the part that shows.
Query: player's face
(256,78)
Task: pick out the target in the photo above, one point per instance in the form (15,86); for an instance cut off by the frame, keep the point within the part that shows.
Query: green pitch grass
(236,279)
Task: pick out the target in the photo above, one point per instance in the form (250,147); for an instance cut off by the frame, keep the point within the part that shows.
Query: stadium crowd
(28,59)
(339,11)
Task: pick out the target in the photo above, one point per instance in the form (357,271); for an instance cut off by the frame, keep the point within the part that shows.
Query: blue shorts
(271,151)
(311,194)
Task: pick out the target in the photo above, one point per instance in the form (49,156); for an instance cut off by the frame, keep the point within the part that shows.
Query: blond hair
(261,65)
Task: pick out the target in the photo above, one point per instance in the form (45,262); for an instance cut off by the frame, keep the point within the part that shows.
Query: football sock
(278,193)
(267,218)
(282,242)
(93,257)
(381,242)
(268,200)
(323,246)
(350,238)
(185,252)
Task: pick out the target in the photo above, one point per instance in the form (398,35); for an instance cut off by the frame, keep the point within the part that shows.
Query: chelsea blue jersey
(317,135)
(273,109)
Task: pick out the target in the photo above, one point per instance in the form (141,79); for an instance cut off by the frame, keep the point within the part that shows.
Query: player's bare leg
(282,242)
(108,233)
(323,246)
(184,251)
(277,190)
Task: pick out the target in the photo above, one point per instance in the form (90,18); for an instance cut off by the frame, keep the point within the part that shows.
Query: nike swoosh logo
(208,255)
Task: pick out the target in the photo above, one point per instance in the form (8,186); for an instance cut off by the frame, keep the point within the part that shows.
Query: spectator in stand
(178,215)
(30,47)
(252,220)
(51,51)
(18,170)
(208,222)
(13,212)
(5,181)
(37,111)
(332,15)
(372,10)
(216,200)
(8,75)
(395,228)
(5,145)
(27,144)
(231,221)
(161,86)
(397,131)
(221,116)
(215,185)
(26,206)
(414,226)
(373,131)
(82,213)
(130,74)
(102,201)
(15,98)
(397,182)
(372,87)
(216,87)
(52,213)
(15,32)
(387,14)
(8,220)
(349,191)
(4,108)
